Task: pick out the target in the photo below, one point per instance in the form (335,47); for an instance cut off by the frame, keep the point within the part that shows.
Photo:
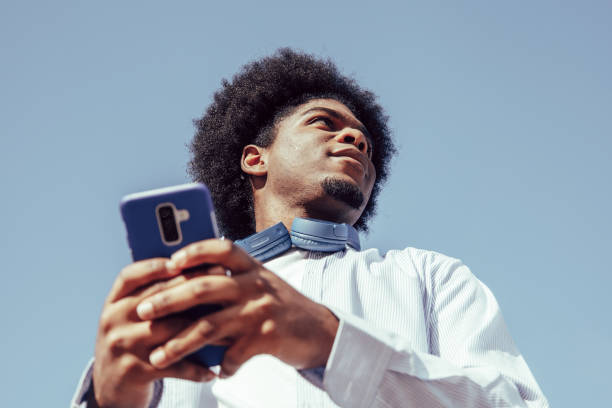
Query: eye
(322,119)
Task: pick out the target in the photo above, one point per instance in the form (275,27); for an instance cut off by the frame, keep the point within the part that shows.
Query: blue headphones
(306,233)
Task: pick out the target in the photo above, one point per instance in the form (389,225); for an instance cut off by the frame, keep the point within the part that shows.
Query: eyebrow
(338,115)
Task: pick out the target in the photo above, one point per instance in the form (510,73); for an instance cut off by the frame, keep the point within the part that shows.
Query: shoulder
(422,261)
(432,269)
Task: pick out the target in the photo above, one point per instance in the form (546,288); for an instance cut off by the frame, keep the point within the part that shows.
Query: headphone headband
(306,233)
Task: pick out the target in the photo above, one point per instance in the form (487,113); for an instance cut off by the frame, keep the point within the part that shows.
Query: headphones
(306,233)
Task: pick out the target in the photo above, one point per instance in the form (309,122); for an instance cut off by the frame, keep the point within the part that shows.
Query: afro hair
(246,111)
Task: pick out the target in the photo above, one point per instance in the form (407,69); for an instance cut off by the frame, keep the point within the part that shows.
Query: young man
(322,324)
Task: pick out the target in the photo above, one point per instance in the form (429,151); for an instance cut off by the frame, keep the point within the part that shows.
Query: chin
(344,190)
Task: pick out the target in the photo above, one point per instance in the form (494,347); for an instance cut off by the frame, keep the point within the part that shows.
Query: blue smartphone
(159,222)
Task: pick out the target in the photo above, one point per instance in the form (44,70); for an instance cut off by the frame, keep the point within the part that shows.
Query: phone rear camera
(168,223)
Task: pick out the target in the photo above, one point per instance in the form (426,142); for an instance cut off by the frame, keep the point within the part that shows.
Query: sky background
(502,113)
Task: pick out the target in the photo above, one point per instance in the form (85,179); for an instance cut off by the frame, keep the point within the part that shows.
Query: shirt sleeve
(85,388)
(472,361)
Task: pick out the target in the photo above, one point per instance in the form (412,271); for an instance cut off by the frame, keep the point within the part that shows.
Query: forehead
(331,107)
(325,103)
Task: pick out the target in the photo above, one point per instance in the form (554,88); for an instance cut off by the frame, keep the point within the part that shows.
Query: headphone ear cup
(275,250)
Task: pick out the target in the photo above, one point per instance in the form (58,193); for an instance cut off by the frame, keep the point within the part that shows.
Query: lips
(353,154)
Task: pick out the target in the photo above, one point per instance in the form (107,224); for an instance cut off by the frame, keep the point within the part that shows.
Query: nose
(355,137)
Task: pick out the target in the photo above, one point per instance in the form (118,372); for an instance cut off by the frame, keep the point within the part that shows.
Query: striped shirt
(417,329)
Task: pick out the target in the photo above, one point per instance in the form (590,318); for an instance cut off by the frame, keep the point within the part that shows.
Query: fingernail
(179,257)
(172,268)
(145,310)
(216,270)
(157,357)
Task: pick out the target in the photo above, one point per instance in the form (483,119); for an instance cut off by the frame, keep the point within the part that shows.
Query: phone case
(194,209)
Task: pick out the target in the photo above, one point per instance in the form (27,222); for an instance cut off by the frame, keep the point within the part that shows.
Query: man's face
(321,159)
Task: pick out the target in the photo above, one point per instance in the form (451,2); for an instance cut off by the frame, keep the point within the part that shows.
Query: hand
(262,315)
(122,373)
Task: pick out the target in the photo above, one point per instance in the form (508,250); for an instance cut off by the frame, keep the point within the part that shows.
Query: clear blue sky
(502,113)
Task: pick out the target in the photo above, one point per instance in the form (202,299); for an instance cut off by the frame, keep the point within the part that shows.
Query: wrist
(134,397)
(91,399)
(329,329)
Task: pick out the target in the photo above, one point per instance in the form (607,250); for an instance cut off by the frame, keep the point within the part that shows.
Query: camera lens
(168,223)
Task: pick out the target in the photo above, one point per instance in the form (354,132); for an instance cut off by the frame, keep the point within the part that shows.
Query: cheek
(298,154)
(289,160)
(371,177)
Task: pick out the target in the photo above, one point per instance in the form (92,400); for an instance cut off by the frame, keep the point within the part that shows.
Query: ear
(253,160)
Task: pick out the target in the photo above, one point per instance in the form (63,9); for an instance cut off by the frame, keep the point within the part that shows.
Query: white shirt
(416,329)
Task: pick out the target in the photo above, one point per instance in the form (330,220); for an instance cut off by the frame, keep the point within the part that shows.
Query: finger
(185,370)
(160,286)
(196,291)
(140,338)
(210,329)
(214,251)
(138,274)
(238,354)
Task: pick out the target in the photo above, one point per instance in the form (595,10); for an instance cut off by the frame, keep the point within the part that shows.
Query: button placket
(312,286)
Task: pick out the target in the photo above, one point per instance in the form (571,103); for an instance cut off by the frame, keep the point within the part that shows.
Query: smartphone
(159,222)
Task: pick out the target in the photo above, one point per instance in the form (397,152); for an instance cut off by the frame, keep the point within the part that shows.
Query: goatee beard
(344,191)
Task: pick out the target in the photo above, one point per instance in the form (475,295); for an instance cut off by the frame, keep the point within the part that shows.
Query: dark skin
(142,338)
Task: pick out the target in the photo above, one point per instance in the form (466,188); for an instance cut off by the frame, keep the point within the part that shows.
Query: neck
(269,210)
